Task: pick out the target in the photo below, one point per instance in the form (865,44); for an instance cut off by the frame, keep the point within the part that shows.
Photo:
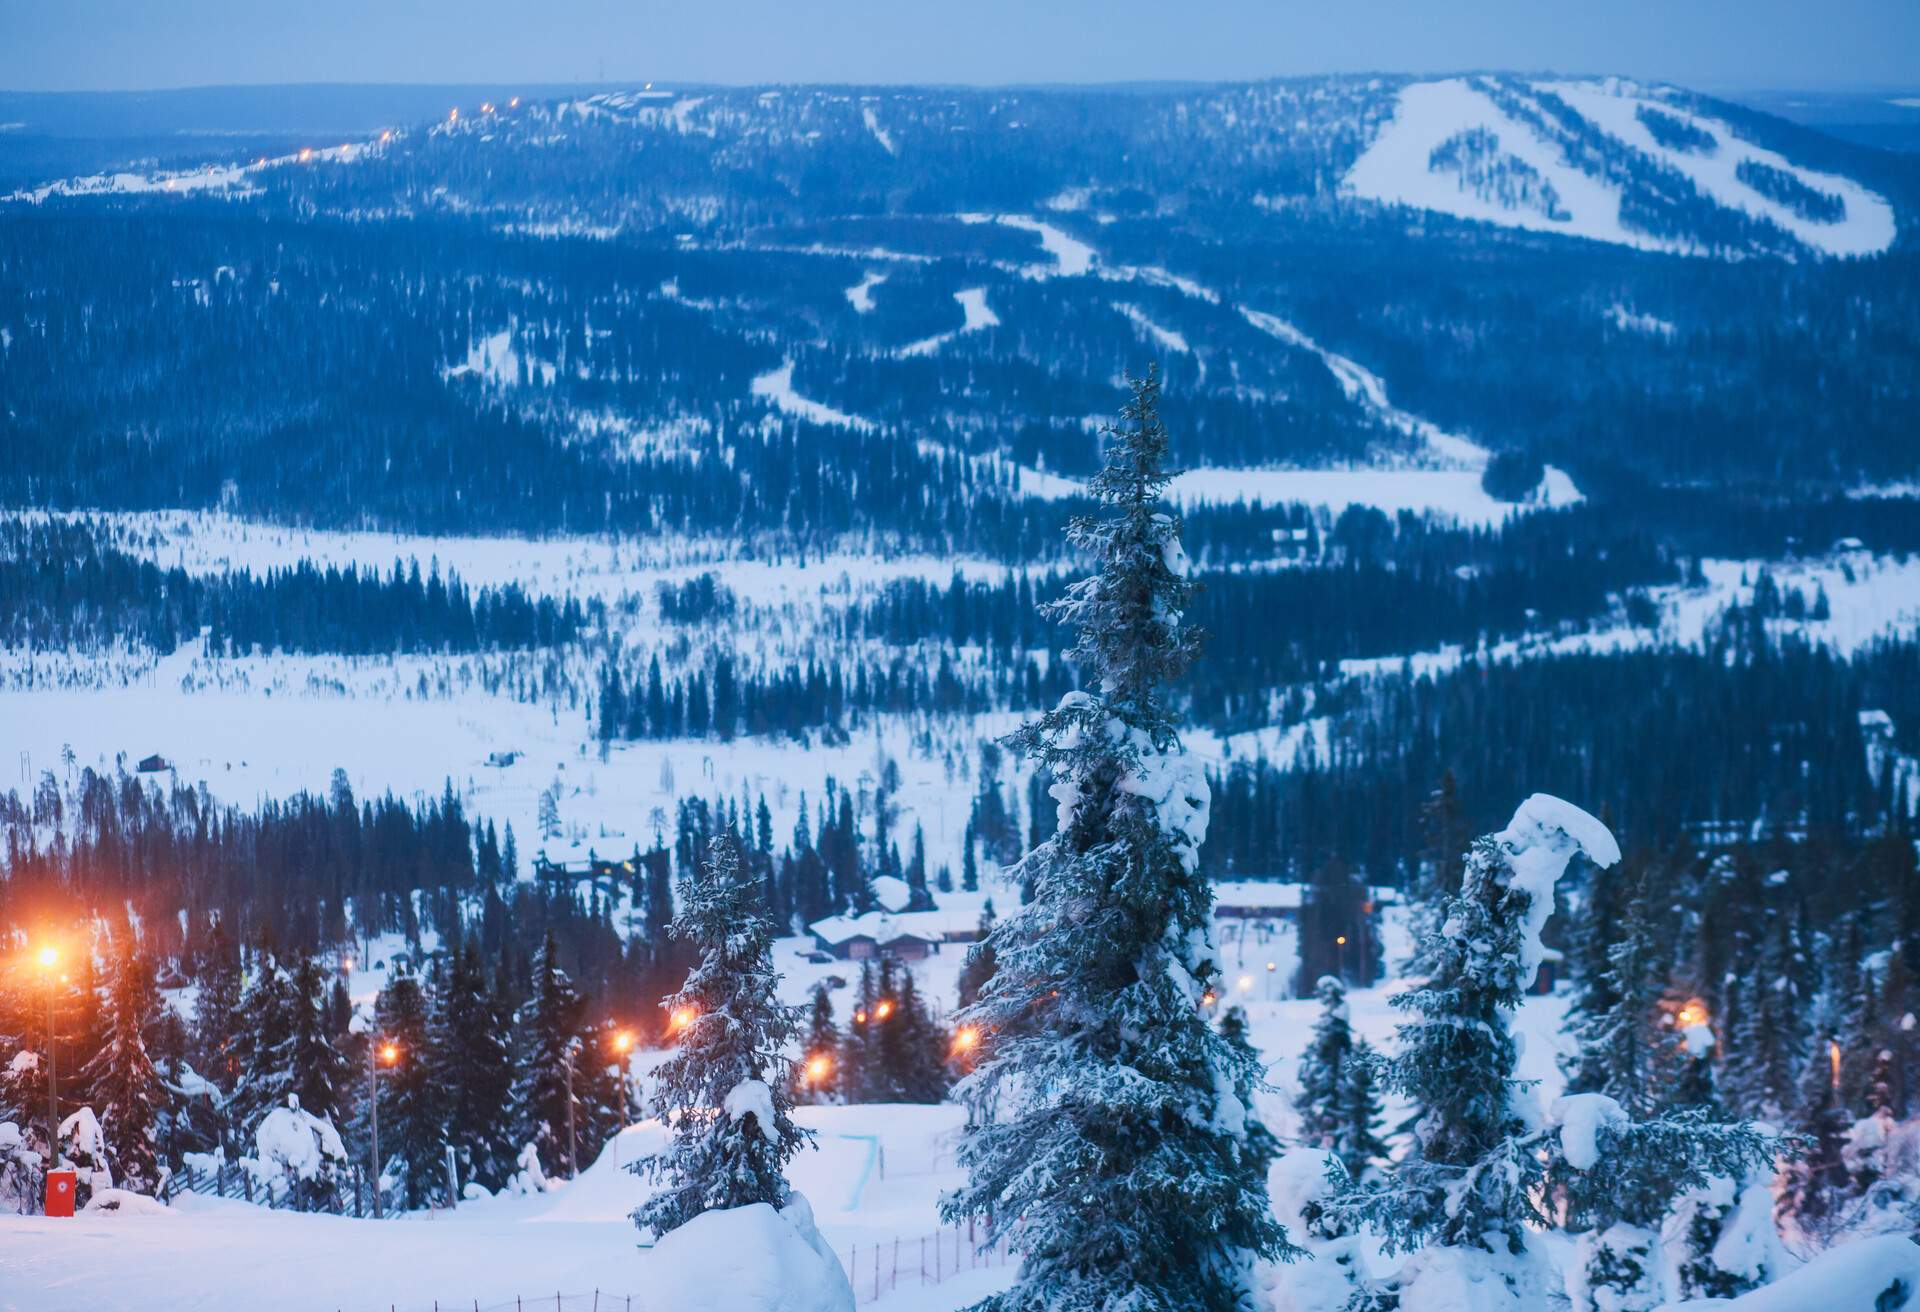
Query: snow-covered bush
(84,1147)
(298,1157)
(749,1259)
(20,1172)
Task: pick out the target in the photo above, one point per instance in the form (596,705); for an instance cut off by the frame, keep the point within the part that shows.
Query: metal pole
(573,1157)
(53,1080)
(373,1097)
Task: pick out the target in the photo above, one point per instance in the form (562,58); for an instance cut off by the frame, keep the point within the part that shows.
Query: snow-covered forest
(1173,729)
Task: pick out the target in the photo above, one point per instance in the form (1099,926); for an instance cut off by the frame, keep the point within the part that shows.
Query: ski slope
(1397,168)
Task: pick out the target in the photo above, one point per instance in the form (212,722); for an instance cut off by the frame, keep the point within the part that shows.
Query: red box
(60,1187)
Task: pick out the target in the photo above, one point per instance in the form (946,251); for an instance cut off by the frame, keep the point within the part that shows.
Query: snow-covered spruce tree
(1619,1178)
(1261,1142)
(1472,1178)
(1107,1143)
(1338,1106)
(725,1094)
(123,1088)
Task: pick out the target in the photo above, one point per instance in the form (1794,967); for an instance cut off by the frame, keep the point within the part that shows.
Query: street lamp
(622,1042)
(49,959)
(1271,967)
(383,1053)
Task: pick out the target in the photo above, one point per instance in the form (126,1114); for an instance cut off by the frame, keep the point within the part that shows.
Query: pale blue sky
(48,45)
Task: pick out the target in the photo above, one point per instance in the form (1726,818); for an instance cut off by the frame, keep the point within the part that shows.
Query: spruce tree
(1627,1048)
(725,1094)
(546,1110)
(473,1053)
(1336,1102)
(124,1089)
(1107,1141)
(816,1077)
(317,1071)
(1472,1177)
(1261,1142)
(412,1134)
(1618,1178)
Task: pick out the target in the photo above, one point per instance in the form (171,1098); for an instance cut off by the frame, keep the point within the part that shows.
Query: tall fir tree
(123,1087)
(1101,1077)
(1627,1049)
(412,1119)
(318,1071)
(816,1078)
(546,1109)
(726,1093)
(1472,1177)
(472,1050)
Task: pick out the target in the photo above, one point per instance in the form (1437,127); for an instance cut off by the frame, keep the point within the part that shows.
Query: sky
(106,45)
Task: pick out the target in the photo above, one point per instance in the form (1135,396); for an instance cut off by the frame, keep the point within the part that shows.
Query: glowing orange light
(683,1018)
(965,1037)
(860,1017)
(1833,1060)
(1271,967)
(306,153)
(514,103)
(817,1067)
(453,115)
(623,1041)
(387,135)
(1693,1013)
(1207,999)
(389,1053)
(346,963)
(884,1010)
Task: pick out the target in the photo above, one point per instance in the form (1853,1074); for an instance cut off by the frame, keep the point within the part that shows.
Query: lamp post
(1271,967)
(385,1052)
(49,958)
(623,1048)
(573,1158)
